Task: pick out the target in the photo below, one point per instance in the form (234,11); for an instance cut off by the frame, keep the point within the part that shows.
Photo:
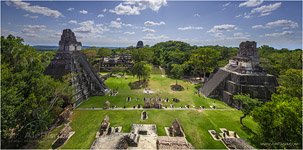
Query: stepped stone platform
(141,136)
(69,59)
(242,75)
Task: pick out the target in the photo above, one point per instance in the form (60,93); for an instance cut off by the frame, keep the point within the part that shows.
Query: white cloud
(240,35)
(55,35)
(83,11)
(129,33)
(234,36)
(222,28)
(260,11)
(151,23)
(284,33)
(33,28)
(73,22)
(116,23)
(89,27)
(238,16)
(126,10)
(29,16)
(35,9)
(190,28)
(100,16)
(86,27)
(30,35)
(257,26)
(247,15)
(218,35)
(127,25)
(71,9)
(154,37)
(155,5)
(133,7)
(285,24)
(148,30)
(226,4)
(251,3)
(104,10)
(197,15)
(266,9)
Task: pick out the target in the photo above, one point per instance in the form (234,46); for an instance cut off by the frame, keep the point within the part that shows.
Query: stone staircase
(100,87)
(214,81)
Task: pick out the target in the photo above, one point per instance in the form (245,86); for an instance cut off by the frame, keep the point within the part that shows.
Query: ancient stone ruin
(176,129)
(230,139)
(63,136)
(139,44)
(64,117)
(152,103)
(141,136)
(122,61)
(144,115)
(242,74)
(69,42)
(105,126)
(69,59)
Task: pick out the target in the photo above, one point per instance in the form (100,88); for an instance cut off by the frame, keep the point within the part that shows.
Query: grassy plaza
(195,123)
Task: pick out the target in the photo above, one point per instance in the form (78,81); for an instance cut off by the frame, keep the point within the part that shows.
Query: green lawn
(157,83)
(195,124)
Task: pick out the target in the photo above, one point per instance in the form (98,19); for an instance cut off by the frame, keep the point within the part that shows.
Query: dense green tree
(30,100)
(203,60)
(142,54)
(142,70)
(103,52)
(276,62)
(247,105)
(280,122)
(291,83)
(177,72)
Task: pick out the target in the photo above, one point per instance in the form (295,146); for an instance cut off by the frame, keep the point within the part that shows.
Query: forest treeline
(200,60)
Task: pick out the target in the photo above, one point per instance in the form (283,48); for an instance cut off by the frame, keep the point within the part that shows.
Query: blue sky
(123,23)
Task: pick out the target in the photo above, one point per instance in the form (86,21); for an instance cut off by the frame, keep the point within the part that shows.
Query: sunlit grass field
(157,83)
(195,124)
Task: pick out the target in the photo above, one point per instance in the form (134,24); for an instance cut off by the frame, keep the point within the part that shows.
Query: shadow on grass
(138,84)
(248,131)
(253,138)
(176,87)
(198,86)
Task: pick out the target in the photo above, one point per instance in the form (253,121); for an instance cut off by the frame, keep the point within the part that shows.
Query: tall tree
(247,105)
(177,72)
(103,52)
(142,70)
(142,54)
(291,83)
(203,60)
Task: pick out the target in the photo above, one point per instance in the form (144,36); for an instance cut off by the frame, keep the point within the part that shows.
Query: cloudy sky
(123,23)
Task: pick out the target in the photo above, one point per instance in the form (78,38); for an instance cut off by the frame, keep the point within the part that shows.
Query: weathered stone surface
(139,44)
(68,41)
(122,61)
(242,75)
(69,59)
(176,129)
(63,136)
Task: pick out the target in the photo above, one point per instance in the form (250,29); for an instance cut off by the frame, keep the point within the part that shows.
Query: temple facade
(242,75)
(69,59)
